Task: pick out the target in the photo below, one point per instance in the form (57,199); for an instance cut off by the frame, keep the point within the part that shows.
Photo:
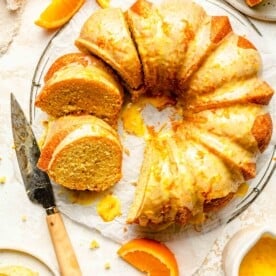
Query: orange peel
(58,12)
(149,256)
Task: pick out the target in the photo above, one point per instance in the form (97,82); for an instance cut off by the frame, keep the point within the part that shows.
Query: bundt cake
(77,83)
(82,153)
(191,166)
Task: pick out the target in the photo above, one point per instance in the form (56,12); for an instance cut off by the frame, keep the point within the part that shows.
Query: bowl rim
(241,243)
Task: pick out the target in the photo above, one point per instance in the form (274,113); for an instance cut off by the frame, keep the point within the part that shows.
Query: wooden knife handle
(65,254)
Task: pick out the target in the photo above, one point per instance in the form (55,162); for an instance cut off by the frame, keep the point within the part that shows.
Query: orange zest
(103,3)
(149,256)
(58,12)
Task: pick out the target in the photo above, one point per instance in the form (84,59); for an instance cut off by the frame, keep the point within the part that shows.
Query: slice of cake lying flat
(81,84)
(82,153)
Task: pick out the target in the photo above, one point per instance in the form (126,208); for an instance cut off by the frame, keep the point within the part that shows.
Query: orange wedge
(103,3)
(58,13)
(149,256)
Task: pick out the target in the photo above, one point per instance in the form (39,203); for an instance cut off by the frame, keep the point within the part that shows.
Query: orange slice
(103,3)
(149,256)
(58,12)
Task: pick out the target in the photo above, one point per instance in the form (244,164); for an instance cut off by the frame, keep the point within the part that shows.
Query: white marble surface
(23,223)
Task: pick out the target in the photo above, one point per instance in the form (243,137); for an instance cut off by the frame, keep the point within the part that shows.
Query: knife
(39,189)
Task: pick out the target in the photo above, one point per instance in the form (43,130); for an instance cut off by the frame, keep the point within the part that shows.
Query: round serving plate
(61,43)
(265,11)
(11,257)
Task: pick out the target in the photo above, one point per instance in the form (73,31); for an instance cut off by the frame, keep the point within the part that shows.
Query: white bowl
(10,256)
(240,244)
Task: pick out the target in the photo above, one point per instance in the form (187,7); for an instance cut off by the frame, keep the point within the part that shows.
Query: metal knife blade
(39,189)
(37,182)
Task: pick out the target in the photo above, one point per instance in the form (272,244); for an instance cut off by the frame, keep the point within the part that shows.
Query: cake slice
(234,59)
(81,153)
(81,84)
(145,24)
(181,20)
(75,58)
(162,34)
(252,90)
(214,180)
(106,35)
(252,121)
(162,197)
(237,134)
(212,31)
(230,152)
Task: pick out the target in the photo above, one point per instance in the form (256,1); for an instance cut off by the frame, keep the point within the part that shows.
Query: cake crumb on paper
(3,179)
(94,244)
(107,265)
(126,151)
